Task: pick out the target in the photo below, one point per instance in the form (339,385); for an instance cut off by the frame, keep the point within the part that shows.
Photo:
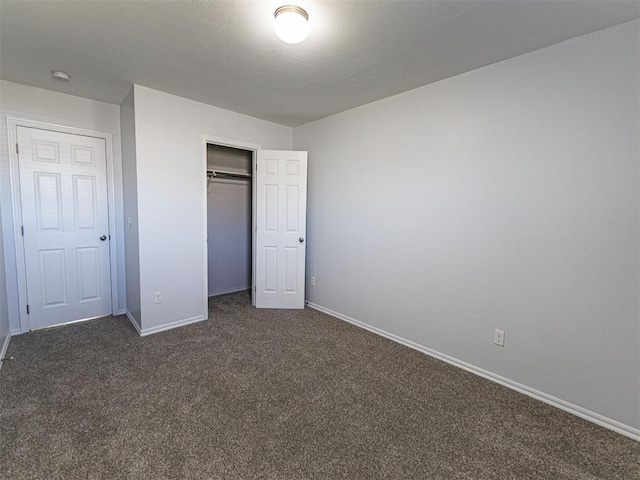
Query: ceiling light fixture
(291,24)
(60,75)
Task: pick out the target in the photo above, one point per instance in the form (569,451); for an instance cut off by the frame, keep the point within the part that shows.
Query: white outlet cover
(498,338)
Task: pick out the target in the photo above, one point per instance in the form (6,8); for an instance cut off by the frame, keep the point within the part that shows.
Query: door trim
(16,200)
(253,148)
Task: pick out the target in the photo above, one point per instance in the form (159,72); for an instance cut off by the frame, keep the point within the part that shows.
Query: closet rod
(223,174)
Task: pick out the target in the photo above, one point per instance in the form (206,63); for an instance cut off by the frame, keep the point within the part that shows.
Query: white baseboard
(5,345)
(120,312)
(3,349)
(133,322)
(17,331)
(596,418)
(169,326)
(234,290)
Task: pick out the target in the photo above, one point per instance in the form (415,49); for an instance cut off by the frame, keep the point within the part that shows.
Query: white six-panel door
(281,219)
(65,219)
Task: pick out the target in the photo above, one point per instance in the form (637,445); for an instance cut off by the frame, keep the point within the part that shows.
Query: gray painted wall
(503,198)
(130,202)
(228,222)
(171,187)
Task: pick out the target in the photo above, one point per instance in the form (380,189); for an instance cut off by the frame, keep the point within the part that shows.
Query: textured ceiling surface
(225,53)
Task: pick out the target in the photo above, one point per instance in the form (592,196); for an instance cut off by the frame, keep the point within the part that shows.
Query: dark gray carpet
(275,395)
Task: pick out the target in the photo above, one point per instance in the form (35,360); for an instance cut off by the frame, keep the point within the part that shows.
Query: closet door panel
(281,187)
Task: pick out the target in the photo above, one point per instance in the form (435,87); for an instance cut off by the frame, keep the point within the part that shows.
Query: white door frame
(16,200)
(253,148)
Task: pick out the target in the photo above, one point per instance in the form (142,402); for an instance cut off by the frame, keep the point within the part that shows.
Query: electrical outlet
(313,281)
(498,338)
(157,297)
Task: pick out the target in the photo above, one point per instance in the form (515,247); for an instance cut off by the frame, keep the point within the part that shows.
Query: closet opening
(229,226)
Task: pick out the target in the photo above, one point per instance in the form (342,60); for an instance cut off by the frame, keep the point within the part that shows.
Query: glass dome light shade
(291,24)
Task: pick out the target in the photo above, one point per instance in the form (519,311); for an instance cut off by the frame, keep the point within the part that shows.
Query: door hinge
(27,309)
(17,149)
(22,230)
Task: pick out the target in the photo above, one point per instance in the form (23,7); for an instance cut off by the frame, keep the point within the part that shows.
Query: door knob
(301,239)
(103,238)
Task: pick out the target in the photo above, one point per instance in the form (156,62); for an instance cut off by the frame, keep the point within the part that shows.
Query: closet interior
(228,219)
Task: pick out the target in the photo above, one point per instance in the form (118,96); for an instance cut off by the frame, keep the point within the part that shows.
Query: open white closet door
(281,222)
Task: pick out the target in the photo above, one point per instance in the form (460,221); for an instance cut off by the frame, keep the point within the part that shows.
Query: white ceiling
(225,53)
